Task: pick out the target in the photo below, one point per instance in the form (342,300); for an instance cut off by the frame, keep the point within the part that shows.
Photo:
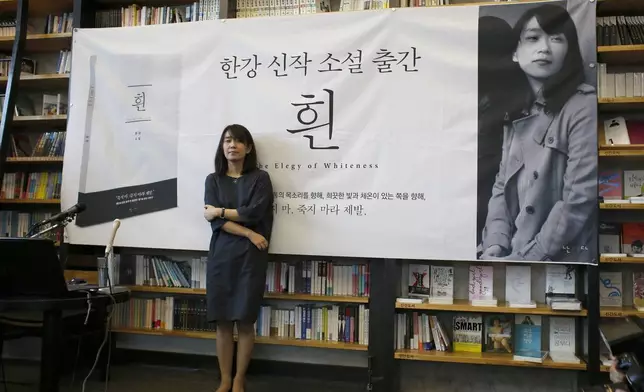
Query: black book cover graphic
(130,149)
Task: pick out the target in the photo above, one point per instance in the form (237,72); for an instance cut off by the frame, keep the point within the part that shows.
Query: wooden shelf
(90,276)
(40,42)
(258,339)
(283,296)
(499,359)
(618,312)
(35,160)
(621,54)
(38,7)
(463,305)
(621,260)
(40,81)
(311,343)
(162,332)
(166,290)
(624,150)
(40,121)
(620,7)
(621,206)
(621,104)
(29,201)
(317,298)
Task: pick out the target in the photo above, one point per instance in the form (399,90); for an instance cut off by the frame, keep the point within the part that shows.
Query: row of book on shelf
(620,30)
(51,105)
(137,15)
(17,223)
(54,24)
(621,239)
(303,277)
(262,8)
(347,323)
(618,131)
(318,278)
(7,27)
(619,82)
(435,284)
(59,23)
(28,66)
(48,144)
(519,335)
(34,185)
(611,289)
(255,8)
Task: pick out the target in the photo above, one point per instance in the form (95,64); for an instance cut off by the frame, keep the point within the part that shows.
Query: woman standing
(239,207)
(544,199)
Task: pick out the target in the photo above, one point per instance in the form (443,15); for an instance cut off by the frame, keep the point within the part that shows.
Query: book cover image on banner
(537,142)
(129,155)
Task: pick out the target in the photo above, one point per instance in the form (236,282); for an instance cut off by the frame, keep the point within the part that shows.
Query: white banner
(367,123)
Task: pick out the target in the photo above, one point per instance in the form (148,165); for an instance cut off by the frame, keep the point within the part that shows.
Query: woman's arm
(211,197)
(568,217)
(235,229)
(213,212)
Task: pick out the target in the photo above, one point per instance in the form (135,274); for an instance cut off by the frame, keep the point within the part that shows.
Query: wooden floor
(140,378)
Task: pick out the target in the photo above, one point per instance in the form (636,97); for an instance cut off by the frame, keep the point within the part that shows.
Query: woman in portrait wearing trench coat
(544,199)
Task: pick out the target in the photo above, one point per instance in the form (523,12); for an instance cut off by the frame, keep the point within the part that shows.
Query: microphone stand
(58,225)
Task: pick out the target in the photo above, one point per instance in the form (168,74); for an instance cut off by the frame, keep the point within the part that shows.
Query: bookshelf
(291,299)
(32,138)
(620,57)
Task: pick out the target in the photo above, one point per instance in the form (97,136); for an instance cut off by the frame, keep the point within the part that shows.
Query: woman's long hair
(554,19)
(497,73)
(242,135)
(498,78)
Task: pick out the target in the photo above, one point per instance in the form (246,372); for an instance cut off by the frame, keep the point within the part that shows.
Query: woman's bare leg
(245,343)
(225,346)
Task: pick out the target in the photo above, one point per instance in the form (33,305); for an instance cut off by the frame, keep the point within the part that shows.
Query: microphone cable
(106,338)
(108,324)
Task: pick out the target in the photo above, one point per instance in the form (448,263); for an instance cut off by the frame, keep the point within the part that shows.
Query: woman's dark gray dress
(236,270)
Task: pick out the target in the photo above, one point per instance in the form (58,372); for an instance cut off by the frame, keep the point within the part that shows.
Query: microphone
(64,215)
(110,243)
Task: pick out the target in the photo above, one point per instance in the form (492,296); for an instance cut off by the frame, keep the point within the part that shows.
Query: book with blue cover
(527,338)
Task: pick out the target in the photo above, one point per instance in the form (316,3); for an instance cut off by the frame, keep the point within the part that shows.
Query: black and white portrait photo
(537,133)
